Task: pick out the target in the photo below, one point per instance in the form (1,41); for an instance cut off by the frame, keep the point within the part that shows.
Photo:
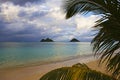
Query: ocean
(23,53)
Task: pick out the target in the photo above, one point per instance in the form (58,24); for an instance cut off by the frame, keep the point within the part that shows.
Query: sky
(33,20)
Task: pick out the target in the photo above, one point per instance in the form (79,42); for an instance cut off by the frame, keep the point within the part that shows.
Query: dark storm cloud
(22,2)
(38,21)
(27,34)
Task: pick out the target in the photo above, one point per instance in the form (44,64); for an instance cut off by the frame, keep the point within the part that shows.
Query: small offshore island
(50,40)
(74,40)
(47,40)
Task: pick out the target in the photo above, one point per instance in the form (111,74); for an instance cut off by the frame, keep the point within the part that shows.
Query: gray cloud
(22,2)
(23,23)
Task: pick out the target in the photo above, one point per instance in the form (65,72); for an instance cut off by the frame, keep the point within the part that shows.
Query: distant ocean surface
(22,53)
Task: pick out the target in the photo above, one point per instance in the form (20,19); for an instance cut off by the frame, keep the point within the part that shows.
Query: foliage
(76,72)
(107,41)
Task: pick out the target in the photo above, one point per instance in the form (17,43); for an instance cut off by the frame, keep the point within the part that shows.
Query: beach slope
(34,72)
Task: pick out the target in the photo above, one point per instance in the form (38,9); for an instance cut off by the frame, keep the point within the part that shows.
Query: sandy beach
(34,72)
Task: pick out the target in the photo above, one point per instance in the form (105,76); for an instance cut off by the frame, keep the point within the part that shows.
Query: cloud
(22,2)
(85,23)
(35,20)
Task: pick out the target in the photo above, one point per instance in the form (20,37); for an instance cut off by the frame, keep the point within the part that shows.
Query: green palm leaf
(107,41)
(73,7)
(76,72)
(114,65)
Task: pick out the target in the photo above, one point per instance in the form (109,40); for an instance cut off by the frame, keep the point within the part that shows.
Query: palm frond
(76,72)
(114,66)
(73,7)
(112,6)
(107,41)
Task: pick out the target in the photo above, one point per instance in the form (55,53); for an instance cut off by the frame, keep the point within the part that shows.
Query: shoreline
(50,62)
(34,72)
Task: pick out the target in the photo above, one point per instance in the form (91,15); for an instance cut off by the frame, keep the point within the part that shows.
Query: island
(46,40)
(74,40)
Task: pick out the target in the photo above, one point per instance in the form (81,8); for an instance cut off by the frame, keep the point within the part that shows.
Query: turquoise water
(13,53)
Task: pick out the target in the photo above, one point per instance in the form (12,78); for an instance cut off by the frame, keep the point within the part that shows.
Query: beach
(34,72)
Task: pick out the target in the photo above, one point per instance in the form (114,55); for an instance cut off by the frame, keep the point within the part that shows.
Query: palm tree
(106,43)
(76,72)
